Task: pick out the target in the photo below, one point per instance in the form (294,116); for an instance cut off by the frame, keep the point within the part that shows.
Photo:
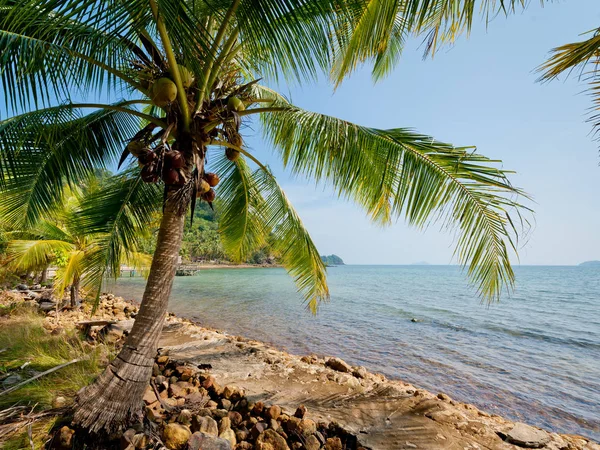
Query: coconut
(174,159)
(170,176)
(149,174)
(209,196)
(203,188)
(163,92)
(147,157)
(212,179)
(235,104)
(136,148)
(187,77)
(235,139)
(232,154)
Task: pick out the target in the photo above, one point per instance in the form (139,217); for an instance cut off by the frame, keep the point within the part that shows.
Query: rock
(47,306)
(176,436)
(149,396)
(257,409)
(185,372)
(270,440)
(235,417)
(126,438)
(333,444)
(307,427)
(12,379)
(312,443)
(226,404)
(244,446)
(273,424)
(241,434)
(273,412)
(202,441)
(22,287)
(224,424)
(179,389)
(339,365)
(59,402)
(300,412)
(65,438)
(258,429)
(205,424)
(527,436)
(185,417)
(229,435)
(140,441)
(293,424)
(360,372)
(218,414)
(231,392)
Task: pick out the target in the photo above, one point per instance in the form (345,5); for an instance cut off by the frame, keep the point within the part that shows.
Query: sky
(481,91)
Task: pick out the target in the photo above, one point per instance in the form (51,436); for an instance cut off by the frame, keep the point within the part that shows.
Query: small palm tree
(66,237)
(193,72)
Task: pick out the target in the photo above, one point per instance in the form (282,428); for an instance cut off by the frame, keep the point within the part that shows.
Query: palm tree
(193,72)
(67,238)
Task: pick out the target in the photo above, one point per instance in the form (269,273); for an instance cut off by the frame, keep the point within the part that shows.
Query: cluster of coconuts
(206,185)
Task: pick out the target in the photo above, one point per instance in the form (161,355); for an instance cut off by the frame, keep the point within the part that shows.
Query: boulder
(273,412)
(22,287)
(307,427)
(360,372)
(179,389)
(47,306)
(300,412)
(229,435)
(339,365)
(312,443)
(333,444)
(527,436)
(204,424)
(202,441)
(176,436)
(185,417)
(149,396)
(224,424)
(271,440)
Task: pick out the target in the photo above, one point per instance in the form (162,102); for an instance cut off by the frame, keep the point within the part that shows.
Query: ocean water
(535,356)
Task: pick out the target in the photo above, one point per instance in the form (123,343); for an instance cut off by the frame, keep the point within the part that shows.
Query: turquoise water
(533,357)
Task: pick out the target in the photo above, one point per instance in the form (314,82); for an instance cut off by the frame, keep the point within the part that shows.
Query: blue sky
(482,91)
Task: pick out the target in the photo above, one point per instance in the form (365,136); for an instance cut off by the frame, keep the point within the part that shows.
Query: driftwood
(39,375)
(95,323)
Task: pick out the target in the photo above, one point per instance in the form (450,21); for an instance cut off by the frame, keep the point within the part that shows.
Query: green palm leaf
(399,172)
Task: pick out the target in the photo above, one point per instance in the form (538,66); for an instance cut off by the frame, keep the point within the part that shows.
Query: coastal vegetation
(195,74)
(332,260)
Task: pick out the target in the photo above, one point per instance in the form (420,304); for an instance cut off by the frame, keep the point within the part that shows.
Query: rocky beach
(214,390)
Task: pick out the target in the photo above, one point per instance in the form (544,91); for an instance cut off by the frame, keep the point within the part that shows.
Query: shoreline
(270,374)
(382,413)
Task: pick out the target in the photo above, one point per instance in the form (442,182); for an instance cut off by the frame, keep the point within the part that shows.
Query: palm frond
(32,254)
(53,48)
(66,275)
(43,151)
(292,241)
(583,56)
(240,204)
(399,172)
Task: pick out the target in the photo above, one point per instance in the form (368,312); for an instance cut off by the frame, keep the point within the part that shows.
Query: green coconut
(163,92)
(136,148)
(203,188)
(187,77)
(235,104)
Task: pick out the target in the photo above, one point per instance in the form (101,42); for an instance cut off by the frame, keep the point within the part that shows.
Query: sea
(532,357)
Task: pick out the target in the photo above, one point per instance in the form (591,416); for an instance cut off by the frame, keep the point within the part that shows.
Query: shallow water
(533,357)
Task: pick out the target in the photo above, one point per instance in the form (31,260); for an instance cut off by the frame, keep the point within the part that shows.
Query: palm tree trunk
(114,400)
(44,275)
(75,293)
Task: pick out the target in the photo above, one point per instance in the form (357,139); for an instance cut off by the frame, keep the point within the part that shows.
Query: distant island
(332,260)
(590,263)
(420,263)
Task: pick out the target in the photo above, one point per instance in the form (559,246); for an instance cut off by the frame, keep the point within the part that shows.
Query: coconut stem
(212,57)
(226,49)
(173,68)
